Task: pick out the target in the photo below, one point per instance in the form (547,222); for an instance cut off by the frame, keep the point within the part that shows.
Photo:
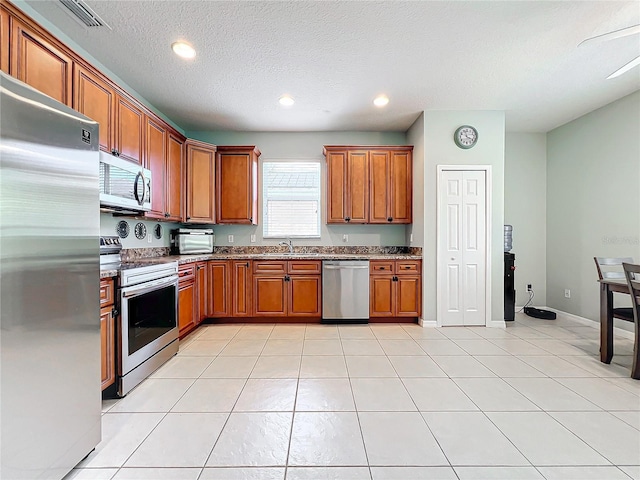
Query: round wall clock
(122,228)
(140,231)
(466,136)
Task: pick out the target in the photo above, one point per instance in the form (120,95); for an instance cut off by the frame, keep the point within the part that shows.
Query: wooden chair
(613,270)
(632,272)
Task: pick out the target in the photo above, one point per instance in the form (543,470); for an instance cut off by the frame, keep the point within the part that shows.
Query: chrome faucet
(287,244)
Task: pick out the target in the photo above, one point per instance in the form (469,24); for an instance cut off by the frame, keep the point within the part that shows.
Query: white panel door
(462,228)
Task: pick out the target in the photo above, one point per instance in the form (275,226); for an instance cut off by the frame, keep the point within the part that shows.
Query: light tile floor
(378,402)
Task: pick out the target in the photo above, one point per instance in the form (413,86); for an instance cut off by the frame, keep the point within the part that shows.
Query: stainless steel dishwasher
(345,291)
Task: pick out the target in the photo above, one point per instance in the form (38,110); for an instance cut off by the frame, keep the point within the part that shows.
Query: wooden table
(607,288)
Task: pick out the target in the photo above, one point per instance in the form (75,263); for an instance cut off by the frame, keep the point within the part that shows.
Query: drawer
(106,292)
(260,266)
(305,266)
(186,272)
(380,267)
(408,267)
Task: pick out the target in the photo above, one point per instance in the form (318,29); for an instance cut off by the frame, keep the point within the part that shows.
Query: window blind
(291,199)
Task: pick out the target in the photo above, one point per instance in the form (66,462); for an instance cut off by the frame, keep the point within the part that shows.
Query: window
(291,199)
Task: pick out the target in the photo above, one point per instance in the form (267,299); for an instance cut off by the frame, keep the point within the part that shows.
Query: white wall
(415,137)
(593,201)
(108,224)
(440,149)
(525,207)
(305,146)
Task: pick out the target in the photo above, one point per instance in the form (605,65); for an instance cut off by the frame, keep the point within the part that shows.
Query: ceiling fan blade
(623,32)
(633,63)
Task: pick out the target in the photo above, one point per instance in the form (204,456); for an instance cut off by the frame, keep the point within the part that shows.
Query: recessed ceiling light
(286,100)
(381,100)
(183,49)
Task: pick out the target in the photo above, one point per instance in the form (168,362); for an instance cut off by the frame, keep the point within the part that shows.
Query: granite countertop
(182,259)
(110,271)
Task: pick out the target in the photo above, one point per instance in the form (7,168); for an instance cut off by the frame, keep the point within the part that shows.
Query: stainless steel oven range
(148,326)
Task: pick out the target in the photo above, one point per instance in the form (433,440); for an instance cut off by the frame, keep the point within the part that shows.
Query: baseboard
(427,323)
(591,323)
(497,324)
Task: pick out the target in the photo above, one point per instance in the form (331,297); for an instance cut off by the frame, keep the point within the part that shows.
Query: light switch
(345,238)
(253,239)
(230,238)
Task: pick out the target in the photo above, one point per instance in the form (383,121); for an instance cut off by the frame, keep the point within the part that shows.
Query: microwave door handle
(138,198)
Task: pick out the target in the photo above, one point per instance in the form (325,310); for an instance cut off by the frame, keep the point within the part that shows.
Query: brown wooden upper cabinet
(39,63)
(163,156)
(391,186)
(369,184)
(199,194)
(347,185)
(237,185)
(155,160)
(173,178)
(95,98)
(4,40)
(129,142)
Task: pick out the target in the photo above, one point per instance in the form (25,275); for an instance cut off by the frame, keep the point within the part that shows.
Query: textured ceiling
(335,57)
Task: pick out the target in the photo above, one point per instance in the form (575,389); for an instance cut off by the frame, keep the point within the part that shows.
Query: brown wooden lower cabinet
(395,288)
(287,289)
(270,295)
(186,306)
(187,299)
(305,299)
(241,288)
(202,287)
(107,333)
(219,289)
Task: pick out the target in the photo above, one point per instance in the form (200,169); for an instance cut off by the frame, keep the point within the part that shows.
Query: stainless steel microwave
(124,186)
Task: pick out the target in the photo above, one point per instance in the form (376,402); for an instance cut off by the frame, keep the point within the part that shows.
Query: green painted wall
(593,201)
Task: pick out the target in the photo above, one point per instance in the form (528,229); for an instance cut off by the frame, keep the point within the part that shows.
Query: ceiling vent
(83,13)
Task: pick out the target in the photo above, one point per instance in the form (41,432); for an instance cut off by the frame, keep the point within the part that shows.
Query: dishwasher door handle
(335,267)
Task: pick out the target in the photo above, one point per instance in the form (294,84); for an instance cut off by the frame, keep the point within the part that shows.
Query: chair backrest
(612,267)
(632,272)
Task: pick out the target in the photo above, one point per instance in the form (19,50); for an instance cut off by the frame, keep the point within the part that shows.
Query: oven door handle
(146,287)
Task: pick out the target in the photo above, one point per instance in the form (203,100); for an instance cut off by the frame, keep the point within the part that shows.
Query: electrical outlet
(230,238)
(253,239)
(567,293)
(411,237)
(345,238)
(529,287)
(149,239)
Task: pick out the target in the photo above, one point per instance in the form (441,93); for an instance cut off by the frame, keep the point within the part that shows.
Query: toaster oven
(185,241)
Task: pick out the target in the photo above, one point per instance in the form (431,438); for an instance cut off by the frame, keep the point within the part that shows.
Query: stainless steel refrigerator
(50,397)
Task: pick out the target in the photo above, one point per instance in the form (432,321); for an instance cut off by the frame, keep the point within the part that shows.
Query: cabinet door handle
(251,219)
(382,268)
(347,219)
(166,214)
(395,279)
(287,278)
(389,219)
(247,264)
(188,218)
